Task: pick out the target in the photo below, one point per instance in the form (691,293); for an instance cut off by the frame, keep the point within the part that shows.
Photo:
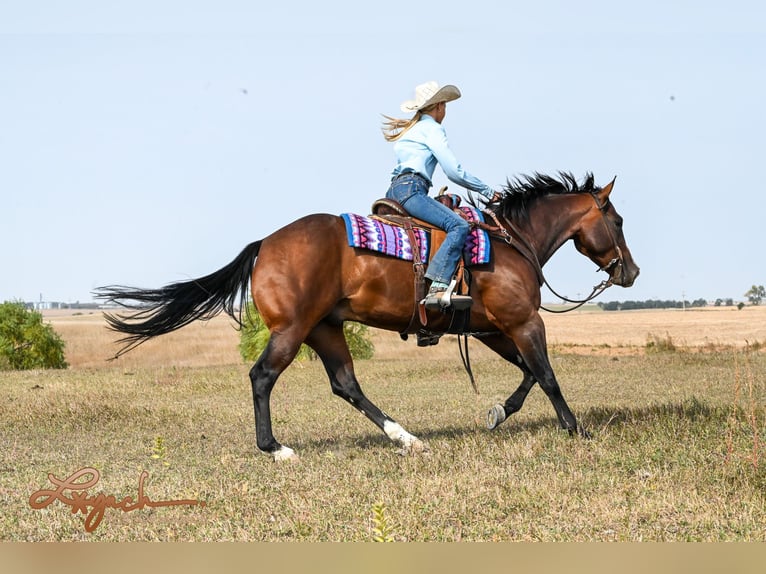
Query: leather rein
(517,240)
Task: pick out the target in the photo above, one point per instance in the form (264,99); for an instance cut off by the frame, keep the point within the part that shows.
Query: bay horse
(306,281)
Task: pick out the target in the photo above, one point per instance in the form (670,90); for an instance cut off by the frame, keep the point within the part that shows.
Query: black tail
(176,305)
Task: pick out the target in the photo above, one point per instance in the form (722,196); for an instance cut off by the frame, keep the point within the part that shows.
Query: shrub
(27,343)
(255,336)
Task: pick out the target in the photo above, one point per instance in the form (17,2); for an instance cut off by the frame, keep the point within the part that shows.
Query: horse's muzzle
(624,274)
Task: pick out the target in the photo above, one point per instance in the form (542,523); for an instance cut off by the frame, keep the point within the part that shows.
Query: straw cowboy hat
(429,94)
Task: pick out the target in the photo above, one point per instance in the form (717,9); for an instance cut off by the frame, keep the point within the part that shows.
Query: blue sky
(148,142)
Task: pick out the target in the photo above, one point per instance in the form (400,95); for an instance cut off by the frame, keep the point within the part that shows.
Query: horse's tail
(173,306)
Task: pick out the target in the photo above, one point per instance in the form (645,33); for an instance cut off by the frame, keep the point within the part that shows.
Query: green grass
(674,455)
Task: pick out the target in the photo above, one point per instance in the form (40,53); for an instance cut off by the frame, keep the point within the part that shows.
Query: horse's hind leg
(330,344)
(277,355)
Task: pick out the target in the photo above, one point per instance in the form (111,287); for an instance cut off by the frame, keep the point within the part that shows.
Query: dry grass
(699,329)
(589,331)
(90,345)
(675,453)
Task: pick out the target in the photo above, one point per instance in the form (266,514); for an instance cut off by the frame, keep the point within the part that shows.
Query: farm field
(674,401)
(588,331)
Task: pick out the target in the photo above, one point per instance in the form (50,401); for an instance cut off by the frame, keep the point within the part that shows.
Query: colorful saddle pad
(370,233)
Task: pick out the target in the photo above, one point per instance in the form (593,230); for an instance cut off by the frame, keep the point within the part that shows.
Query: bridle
(617,261)
(513,237)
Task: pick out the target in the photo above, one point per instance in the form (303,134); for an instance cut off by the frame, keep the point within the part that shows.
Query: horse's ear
(606,190)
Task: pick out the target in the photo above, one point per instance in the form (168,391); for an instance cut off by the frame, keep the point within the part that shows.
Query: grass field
(674,400)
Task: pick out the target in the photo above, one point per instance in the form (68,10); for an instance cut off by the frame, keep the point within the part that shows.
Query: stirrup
(442,300)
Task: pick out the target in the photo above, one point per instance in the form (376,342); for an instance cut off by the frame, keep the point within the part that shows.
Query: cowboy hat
(429,94)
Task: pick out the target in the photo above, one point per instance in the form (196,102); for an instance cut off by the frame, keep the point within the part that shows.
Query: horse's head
(600,238)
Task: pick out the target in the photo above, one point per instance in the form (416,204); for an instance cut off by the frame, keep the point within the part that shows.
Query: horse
(306,281)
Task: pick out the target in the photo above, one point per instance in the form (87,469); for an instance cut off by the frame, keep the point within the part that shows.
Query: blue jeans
(411,191)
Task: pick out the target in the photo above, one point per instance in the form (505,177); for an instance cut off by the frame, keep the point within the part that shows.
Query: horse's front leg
(526,347)
(533,349)
(504,347)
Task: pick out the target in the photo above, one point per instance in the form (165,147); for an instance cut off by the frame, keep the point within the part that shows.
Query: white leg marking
(410,444)
(285,453)
(396,433)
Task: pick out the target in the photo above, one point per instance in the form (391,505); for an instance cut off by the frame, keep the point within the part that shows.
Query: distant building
(47,305)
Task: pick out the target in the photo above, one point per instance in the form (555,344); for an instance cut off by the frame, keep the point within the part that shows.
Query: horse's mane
(520,192)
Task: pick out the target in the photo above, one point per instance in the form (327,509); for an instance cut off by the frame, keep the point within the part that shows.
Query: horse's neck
(552,221)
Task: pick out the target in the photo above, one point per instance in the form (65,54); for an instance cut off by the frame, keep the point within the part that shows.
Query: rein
(526,250)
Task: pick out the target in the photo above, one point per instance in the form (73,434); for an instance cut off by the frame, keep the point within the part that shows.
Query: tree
(27,343)
(756,294)
(255,336)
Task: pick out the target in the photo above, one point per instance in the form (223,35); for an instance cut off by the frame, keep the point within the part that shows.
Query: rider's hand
(496,196)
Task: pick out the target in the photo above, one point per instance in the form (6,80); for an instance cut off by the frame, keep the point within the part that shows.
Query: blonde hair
(394,128)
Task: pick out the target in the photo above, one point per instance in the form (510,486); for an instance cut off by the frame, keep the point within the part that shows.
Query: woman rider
(419,144)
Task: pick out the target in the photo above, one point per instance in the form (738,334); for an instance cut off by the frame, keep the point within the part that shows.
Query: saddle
(384,206)
(391,211)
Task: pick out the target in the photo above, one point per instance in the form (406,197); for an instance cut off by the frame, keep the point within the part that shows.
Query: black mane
(521,191)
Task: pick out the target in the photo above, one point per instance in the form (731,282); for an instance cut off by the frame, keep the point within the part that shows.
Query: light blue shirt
(423,146)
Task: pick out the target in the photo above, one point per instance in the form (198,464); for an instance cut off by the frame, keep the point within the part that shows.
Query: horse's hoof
(495,416)
(579,431)
(419,447)
(414,448)
(285,454)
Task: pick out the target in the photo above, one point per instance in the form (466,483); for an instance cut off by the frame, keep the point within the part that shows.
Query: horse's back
(306,243)
(308,267)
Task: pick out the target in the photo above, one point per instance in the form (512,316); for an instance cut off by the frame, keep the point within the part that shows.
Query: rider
(421,143)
